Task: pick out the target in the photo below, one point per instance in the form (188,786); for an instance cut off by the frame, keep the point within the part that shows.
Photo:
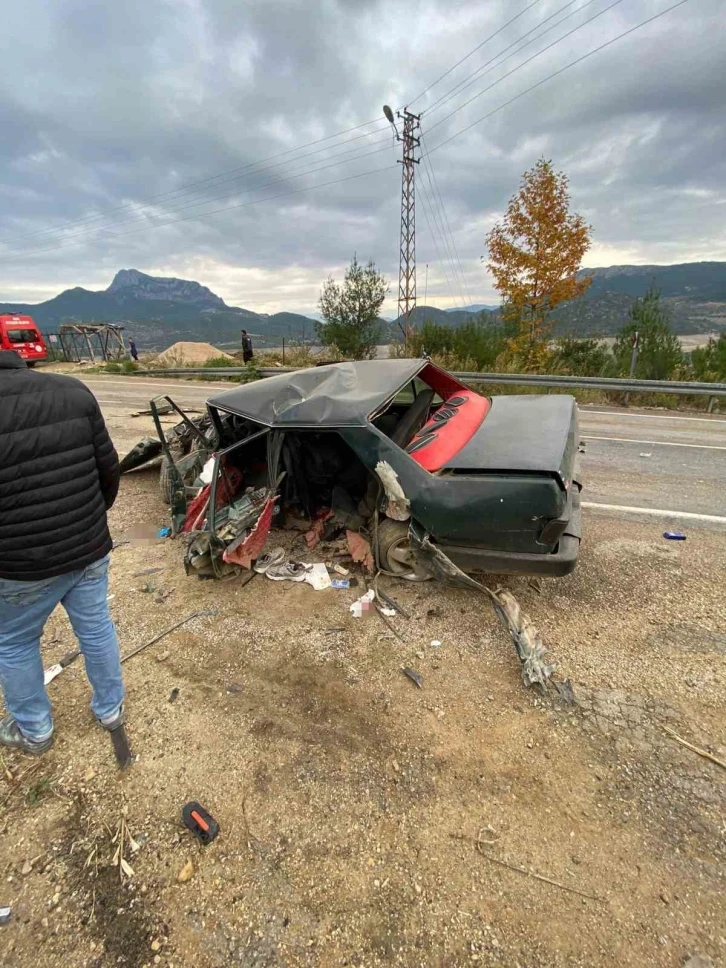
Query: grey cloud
(109,105)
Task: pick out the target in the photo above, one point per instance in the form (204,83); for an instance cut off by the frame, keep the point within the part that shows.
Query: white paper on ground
(50,674)
(318,577)
(363,604)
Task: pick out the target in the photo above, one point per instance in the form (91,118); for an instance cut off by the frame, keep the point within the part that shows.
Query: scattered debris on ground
(366,821)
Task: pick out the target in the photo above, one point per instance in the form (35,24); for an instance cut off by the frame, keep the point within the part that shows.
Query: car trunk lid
(523,434)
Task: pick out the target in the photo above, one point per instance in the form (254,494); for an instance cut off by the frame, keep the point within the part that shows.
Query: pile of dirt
(189,352)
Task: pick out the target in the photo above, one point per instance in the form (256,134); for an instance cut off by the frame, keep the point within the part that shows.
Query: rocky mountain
(135,285)
(159,311)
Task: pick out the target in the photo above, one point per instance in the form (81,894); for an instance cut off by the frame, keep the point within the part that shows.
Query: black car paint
(496,510)
(505,501)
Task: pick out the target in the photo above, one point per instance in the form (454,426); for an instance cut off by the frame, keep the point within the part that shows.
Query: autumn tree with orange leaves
(534,255)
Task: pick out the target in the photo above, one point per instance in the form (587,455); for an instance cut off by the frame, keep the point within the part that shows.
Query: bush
(708,363)
(659,353)
(581,357)
(217,362)
(476,345)
(113,368)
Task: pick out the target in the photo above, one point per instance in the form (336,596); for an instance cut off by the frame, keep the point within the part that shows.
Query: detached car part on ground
(441,480)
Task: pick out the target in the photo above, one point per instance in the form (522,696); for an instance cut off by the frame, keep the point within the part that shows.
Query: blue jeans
(25,607)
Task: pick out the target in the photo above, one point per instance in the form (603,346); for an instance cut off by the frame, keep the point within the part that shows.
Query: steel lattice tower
(407,265)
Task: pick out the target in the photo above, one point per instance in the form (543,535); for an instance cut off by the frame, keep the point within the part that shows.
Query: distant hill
(161,311)
(475,308)
(693,292)
(443,317)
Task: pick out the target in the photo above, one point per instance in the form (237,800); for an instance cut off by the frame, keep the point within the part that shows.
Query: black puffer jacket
(58,474)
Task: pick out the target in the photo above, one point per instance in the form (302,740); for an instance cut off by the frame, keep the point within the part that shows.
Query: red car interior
(451,428)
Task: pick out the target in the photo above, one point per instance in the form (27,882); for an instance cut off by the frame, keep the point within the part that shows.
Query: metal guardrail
(680,388)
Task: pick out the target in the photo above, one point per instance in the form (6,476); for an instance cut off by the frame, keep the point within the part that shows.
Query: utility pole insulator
(407,266)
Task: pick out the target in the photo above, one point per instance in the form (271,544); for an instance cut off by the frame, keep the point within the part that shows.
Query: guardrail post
(711,404)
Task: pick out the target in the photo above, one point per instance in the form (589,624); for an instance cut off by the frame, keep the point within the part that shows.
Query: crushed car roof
(335,395)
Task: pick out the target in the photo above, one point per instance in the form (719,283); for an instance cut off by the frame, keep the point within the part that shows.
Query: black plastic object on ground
(202,824)
(414,676)
(121,748)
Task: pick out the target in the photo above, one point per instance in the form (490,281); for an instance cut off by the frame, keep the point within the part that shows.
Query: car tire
(165,480)
(395,554)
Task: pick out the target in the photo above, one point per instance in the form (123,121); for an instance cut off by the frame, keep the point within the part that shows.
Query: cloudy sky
(168,137)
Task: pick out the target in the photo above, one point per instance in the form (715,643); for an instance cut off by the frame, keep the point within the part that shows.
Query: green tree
(350,311)
(476,344)
(581,357)
(709,362)
(482,341)
(535,253)
(659,352)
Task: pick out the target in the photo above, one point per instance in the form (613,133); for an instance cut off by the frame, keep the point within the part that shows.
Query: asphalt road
(635,463)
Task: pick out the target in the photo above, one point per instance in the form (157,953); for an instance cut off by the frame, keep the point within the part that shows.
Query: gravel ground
(364,821)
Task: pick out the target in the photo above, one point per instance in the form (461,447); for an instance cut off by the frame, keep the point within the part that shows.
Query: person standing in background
(132,350)
(59,475)
(247,352)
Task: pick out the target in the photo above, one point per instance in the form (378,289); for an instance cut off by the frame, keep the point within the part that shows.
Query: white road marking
(651,416)
(656,443)
(656,512)
(184,384)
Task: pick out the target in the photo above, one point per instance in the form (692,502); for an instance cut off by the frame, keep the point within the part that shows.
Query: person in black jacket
(59,475)
(247,352)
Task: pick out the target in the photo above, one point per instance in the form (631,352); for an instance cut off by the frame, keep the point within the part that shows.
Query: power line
(527,61)
(439,219)
(431,173)
(426,204)
(83,232)
(133,206)
(549,77)
(366,124)
(227,208)
(471,78)
(472,52)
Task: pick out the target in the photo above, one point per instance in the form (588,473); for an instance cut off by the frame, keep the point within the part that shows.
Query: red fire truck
(19,333)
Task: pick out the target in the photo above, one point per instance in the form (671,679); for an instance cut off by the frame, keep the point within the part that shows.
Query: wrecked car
(490,482)
(397,450)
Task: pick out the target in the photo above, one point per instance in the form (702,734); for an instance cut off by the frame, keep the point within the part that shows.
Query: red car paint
(251,548)
(457,431)
(19,333)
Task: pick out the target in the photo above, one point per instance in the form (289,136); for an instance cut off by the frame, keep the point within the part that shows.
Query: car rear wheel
(165,480)
(395,553)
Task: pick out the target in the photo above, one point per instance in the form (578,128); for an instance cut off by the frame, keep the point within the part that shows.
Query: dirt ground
(366,822)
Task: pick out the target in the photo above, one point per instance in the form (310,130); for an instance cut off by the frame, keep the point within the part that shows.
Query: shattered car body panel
(337,395)
(490,483)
